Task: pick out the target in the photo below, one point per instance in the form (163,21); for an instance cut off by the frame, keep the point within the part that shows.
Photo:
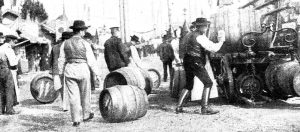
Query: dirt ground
(275,116)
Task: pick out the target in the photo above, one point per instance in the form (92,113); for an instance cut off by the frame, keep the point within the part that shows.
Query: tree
(36,11)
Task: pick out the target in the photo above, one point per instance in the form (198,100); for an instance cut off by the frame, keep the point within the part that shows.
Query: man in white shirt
(75,59)
(8,61)
(194,61)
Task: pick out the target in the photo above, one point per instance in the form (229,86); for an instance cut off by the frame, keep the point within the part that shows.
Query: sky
(141,16)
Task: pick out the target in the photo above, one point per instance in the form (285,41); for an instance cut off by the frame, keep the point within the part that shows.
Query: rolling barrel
(123,103)
(155,76)
(42,88)
(129,76)
(280,78)
(178,81)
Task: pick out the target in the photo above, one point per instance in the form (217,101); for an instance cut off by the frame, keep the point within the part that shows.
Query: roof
(10,12)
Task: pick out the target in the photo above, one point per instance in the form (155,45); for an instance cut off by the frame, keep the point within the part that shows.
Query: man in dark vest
(8,61)
(115,52)
(194,62)
(58,78)
(166,53)
(75,61)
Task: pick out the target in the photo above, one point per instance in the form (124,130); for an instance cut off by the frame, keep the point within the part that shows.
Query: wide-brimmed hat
(135,38)
(11,36)
(79,24)
(1,35)
(66,35)
(88,35)
(201,21)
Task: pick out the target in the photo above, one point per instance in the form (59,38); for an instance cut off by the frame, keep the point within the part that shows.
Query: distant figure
(115,52)
(182,49)
(95,47)
(76,58)
(8,61)
(135,60)
(58,78)
(89,38)
(166,53)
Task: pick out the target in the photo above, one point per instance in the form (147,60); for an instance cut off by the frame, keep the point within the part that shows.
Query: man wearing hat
(194,62)
(166,53)
(133,55)
(89,38)
(8,62)
(182,48)
(115,52)
(58,78)
(75,59)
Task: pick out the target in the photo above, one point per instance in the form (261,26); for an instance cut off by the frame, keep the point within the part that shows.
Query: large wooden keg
(129,76)
(155,76)
(237,22)
(123,103)
(280,78)
(42,88)
(177,81)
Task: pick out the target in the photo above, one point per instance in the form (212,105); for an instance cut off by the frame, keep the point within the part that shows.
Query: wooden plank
(248,4)
(265,4)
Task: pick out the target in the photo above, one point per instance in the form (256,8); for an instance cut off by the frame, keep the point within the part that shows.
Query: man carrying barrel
(115,52)
(75,59)
(194,62)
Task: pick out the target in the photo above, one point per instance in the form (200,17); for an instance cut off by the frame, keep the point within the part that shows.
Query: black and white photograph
(150,65)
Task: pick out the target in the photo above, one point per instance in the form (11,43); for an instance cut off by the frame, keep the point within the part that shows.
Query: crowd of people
(73,65)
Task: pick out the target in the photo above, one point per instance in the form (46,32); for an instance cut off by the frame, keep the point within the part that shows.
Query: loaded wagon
(259,59)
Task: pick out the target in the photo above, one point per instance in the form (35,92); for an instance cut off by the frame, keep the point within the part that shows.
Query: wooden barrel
(296,83)
(42,88)
(123,103)
(155,76)
(237,22)
(129,76)
(177,82)
(148,80)
(280,78)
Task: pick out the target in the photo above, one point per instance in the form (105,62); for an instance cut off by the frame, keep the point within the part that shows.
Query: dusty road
(275,116)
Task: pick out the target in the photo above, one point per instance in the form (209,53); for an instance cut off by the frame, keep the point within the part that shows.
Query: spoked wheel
(42,88)
(249,86)
(156,78)
(227,82)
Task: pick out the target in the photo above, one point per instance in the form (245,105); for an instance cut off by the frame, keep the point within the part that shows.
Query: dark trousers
(166,64)
(194,66)
(7,90)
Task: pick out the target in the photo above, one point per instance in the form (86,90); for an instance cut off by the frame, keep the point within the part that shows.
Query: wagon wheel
(227,80)
(249,86)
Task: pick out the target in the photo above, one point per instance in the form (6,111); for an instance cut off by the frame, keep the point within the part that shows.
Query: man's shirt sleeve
(11,56)
(209,45)
(91,60)
(61,59)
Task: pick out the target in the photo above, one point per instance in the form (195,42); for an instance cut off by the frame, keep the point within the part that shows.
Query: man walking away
(75,59)
(166,53)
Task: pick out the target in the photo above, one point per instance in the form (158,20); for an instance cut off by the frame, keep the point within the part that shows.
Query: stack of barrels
(124,97)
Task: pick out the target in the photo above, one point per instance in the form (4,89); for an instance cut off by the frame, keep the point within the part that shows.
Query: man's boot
(206,109)
(182,97)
